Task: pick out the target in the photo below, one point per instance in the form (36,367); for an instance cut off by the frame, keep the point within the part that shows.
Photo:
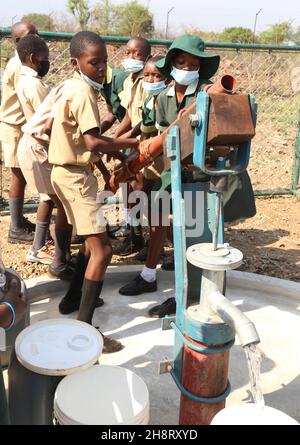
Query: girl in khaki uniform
(12,118)
(75,143)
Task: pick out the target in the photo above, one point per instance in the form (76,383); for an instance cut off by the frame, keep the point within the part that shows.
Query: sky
(208,15)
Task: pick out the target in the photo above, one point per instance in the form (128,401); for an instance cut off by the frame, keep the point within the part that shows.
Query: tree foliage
(131,19)
(105,18)
(207,36)
(295,35)
(277,34)
(80,10)
(237,35)
(43,22)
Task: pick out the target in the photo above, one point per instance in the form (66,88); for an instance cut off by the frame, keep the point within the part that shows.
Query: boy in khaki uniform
(12,118)
(75,143)
(33,159)
(133,96)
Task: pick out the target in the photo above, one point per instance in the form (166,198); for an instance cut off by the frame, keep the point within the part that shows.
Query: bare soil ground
(270,242)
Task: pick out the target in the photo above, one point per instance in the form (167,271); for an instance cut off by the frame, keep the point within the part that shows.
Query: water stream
(254,358)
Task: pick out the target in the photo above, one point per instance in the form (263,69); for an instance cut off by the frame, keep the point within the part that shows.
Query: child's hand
(182,112)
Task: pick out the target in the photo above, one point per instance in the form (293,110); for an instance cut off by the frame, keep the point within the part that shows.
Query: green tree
(43,22)
(295,36)
(207,36)
(277,34)
(80,10)
(237,35)
(105,18)
(135,20)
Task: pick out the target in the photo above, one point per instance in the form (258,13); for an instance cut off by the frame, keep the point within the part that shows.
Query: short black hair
(30,44)
(144,42)
(81,40)
(154,59)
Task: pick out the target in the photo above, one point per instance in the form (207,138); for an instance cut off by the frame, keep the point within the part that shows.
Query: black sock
(90,293)
(16,213)
(62,247)
(74,292)
(41,229)
(69,238)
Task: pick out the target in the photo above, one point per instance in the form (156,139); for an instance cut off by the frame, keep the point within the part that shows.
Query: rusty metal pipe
(225,84)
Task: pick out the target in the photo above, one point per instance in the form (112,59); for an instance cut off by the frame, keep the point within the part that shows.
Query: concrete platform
(272,304)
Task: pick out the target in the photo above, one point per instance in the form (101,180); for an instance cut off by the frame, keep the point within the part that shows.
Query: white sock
(148,274)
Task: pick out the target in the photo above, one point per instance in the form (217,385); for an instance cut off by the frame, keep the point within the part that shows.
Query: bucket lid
(58,346)
(251,414)
(102,395)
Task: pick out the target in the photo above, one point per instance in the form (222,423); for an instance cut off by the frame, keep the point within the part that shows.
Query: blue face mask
(154,88)
(184,77)
(132,65)
(97,86)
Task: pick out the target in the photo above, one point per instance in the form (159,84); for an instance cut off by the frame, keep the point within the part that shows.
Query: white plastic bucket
(102,395)
(58,347)
(251,414)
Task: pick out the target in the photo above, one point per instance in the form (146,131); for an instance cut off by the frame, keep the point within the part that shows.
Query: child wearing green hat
(191,68)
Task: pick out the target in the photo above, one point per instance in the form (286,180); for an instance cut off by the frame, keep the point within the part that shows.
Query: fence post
(296,166)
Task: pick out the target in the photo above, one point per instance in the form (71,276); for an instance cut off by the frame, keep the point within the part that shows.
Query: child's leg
(63,235)
(100,256)
(71,300)
(42,224)
(16,198)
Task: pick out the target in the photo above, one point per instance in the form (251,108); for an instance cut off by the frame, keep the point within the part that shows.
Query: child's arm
(108,121)
(48,126)
(133,133)
(124,126)
(102,144)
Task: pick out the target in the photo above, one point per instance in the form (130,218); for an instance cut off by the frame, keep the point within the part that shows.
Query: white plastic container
(59,346)
(102,395)
(44,353)
(251,414)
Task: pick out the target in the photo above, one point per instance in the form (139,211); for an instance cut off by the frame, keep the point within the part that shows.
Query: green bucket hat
(195,46)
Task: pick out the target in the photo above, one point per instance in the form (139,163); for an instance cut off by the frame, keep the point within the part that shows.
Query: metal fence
(270,73)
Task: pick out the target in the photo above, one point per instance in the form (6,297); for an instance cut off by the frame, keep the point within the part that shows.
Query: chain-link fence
(271,74)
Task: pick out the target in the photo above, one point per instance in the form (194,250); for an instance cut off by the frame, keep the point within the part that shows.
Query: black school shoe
(20,236)
(168,307)
(67,306)
(65,273)
(138,286)
(28,224)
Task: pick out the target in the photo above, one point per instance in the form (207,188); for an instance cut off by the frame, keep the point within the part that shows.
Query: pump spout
(231,315)
(225,84)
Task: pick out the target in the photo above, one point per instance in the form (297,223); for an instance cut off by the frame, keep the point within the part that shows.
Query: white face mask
(184,77)
(154,87)
(97,86)
(132,65)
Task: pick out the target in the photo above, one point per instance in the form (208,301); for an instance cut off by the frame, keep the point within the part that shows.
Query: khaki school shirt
(10,109)
(133,97)
(35,125)
(31,91)
(76,113)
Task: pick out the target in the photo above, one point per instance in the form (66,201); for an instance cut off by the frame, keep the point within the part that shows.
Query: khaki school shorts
(10,136)
(33,161)
(77,188)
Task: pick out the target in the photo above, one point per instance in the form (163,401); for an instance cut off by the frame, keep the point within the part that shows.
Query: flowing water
(254,358)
